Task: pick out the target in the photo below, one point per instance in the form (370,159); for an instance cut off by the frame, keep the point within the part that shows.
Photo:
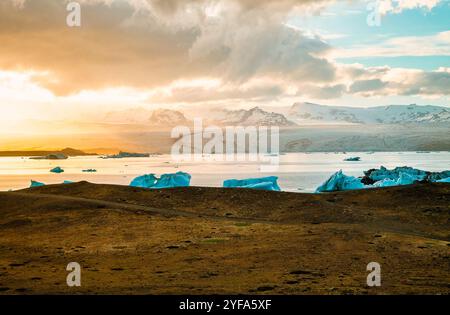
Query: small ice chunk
(353,159)
(57,170)
(90,170)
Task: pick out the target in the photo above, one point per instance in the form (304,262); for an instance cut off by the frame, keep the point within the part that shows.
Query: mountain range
(392,114)
(297,115)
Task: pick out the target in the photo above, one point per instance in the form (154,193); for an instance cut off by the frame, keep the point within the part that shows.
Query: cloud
(322,92)
(244,46)
(397,6)
(430,45)
(367,85)
(408,82)
(134,43)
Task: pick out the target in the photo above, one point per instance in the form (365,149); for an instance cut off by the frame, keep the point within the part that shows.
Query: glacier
(179,179)
(262,183)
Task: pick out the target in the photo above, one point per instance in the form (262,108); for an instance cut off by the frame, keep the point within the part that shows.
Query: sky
(219,53)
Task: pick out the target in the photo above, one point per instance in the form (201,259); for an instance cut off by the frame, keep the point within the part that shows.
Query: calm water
(298,172)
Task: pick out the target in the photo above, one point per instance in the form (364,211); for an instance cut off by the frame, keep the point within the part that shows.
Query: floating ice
(122,155)
(339,181)
(444,180)
(90,170)
(144,181)
(375,175)
(57,170)
(263,183)
(403,179)
(437,176)
(52,156)
(36,184)
(382,177)
(353,159)
(179,179)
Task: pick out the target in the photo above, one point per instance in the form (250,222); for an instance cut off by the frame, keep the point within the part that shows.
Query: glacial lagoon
(297,172)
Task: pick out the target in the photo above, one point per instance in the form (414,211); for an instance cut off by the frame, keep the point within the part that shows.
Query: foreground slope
(211,240)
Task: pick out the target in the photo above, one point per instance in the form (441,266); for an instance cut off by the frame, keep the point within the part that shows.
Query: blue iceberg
(179,179)
(403,179)
(144,181)
(383,177)
(36,184)
(263,183)
(444,180)
(339,181)
(57,170)
(383,173)
(353,159)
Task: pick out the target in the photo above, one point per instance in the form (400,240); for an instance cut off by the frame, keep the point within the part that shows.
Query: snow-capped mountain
(167,117)
(392,114)
(252,117)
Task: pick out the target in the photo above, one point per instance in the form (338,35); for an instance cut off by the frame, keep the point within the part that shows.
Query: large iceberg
(394,174)
(339,181)
(263,183)
(179,179)
(382,177)
(144,181)
(375,175)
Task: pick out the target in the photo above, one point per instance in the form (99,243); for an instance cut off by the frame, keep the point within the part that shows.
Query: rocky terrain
(213,240)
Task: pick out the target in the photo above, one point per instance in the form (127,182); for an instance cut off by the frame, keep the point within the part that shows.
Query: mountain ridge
(390,114)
